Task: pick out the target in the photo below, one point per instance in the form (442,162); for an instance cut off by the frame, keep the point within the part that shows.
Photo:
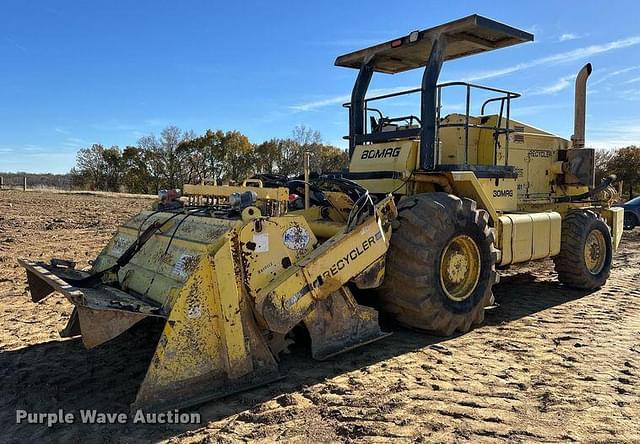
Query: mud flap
(338,324)
(210,346)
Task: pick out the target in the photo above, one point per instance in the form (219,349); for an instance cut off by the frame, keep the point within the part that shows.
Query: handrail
(475,85)
(511,94)
(506,96)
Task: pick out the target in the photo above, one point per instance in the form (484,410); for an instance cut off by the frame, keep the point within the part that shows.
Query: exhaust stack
(577,140)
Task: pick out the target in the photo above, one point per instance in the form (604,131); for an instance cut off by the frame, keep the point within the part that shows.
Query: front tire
(441,264)
(586,251)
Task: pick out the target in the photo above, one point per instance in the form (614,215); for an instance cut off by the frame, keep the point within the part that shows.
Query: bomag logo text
(380,153)
(502,193)
(351,255)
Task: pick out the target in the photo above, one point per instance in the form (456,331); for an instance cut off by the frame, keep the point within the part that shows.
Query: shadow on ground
(522,294)
(63,375)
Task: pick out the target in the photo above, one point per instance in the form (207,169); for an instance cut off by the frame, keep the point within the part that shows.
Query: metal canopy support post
(356,111)
(466,126)
(506,134)
(429,104)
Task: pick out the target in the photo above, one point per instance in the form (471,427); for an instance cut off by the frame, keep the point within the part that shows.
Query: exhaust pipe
(577,140)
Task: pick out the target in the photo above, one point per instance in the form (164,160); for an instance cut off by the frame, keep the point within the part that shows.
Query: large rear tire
(586,251)
(441,264)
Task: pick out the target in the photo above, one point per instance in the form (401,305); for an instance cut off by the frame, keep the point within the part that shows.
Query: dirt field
(550,364)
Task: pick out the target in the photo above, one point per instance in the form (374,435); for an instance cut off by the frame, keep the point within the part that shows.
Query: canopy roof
(470,35)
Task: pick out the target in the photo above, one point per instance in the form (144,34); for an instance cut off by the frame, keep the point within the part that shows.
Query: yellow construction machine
(232,274)
(431,208)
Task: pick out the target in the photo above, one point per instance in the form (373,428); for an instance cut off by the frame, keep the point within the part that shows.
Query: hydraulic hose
(577,197)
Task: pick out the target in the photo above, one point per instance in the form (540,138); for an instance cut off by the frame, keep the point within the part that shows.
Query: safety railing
(504,98)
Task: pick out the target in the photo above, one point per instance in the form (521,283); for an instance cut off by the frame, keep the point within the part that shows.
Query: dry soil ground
(550,364)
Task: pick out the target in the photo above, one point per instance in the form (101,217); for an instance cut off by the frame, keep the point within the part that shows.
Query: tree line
(176,157)
(624,163)
(36,180)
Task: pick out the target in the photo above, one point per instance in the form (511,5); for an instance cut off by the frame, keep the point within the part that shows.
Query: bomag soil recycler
(431,208)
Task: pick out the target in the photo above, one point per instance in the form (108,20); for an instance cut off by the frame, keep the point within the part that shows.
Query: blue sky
(74,73)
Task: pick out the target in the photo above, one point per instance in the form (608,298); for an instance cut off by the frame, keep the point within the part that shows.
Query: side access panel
(503,193)
(383,167)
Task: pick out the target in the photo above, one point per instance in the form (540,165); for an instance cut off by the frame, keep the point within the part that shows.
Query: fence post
(24,184)
(1,182)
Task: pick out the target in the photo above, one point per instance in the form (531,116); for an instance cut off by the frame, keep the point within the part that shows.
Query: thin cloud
(554,59)
(31,148)
(634,80)
(16,44)
(313,105)
(568,36)
(614,134)
(559,85)
(74,142)
(630,95)
(310,106)
(562,57)
(618,72)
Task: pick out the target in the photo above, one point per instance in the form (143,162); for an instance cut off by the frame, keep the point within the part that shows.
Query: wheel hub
(460,267)
(595,252)
(457,268)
